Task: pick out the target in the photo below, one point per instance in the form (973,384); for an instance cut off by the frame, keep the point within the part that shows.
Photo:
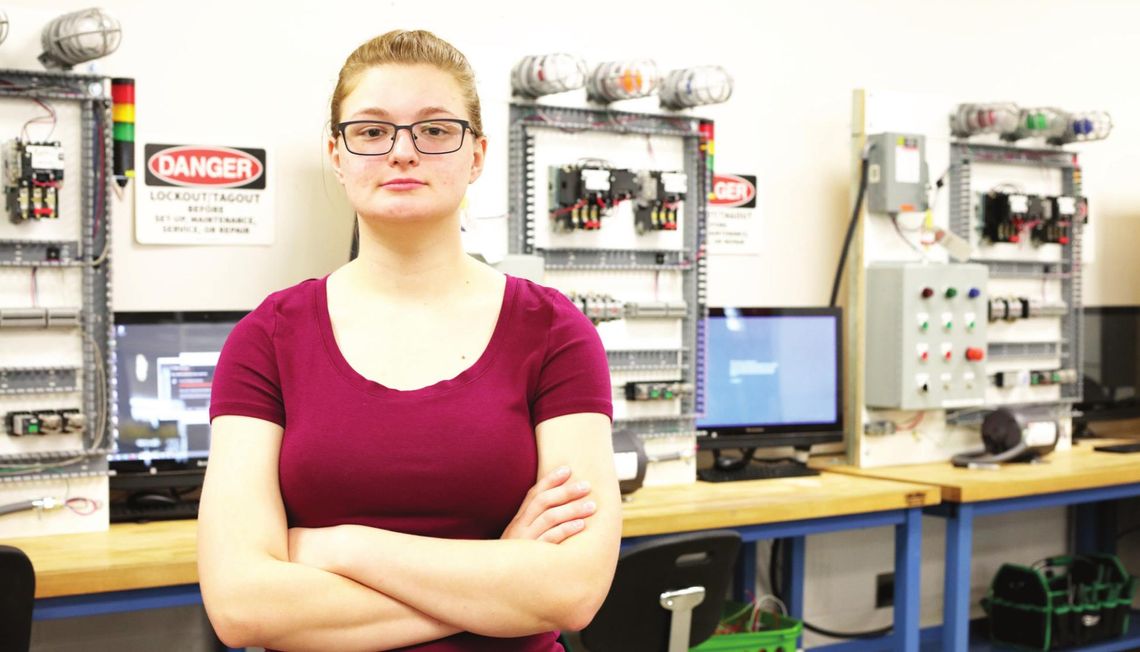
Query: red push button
(974,354)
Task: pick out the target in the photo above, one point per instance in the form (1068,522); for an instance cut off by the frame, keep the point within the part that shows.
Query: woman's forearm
(500,588)
(271,604)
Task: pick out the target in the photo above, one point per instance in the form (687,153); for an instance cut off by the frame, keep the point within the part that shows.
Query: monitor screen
(772,377)
(164,368)
(1111,373)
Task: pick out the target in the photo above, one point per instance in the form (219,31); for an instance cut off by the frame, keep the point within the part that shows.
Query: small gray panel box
(897,173)
(926,335)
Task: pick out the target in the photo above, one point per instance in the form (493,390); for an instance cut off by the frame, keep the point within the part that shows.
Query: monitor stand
(745,467)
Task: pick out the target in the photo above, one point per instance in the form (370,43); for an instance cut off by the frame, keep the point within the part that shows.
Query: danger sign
(204,194)
(733,220)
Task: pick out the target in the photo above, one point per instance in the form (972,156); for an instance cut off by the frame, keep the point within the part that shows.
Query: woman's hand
(554,509)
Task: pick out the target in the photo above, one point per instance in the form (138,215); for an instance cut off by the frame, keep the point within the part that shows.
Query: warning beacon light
(622,80)
(690,87)
(78,37)
(986,118)
(544,74)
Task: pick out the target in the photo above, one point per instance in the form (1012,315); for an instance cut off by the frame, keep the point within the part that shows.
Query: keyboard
(758,471)
(127,513)
(1132,447)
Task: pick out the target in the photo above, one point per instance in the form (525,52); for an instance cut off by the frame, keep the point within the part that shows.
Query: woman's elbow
(587,599)
(231,614)
(578,616)
(231,626)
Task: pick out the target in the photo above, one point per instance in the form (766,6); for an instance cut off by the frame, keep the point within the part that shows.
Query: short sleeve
(246,381)
(575,375)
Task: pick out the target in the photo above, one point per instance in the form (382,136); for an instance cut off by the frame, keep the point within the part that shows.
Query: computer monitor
(773,377)
(164,368)
(1111,368)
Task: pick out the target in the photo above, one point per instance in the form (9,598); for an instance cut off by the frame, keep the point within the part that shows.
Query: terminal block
(581,195)
(656,390)
(1014,308)
(1034,378)
(597,307)
(603,307)
(33,174)
(661,193)
(44,422)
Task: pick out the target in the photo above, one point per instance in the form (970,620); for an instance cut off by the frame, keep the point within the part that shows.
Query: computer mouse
(730,463)
(153,499)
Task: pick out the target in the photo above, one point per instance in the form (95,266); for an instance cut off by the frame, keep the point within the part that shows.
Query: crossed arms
(359,588)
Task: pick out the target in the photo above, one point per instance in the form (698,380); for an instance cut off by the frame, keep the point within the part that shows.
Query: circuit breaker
(580,195)
(896,173)
(661,194)
(926,335)
(1007,217)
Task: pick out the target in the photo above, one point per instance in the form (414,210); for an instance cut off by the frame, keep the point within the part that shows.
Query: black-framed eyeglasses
(376,137)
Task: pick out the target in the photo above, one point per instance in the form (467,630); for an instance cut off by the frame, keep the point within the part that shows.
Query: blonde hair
(408,47)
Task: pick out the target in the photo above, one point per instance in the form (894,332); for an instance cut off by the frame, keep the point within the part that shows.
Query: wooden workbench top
(163,553)
(1078,468)
(705,505)
(127,556)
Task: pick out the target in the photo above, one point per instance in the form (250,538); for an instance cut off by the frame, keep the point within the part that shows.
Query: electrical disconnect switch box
(896,173)
(926,335)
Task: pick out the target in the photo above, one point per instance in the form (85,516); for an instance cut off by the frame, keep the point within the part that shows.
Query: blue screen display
(770,370)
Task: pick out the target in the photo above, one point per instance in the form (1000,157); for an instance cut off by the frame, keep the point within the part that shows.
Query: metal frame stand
(92,94)
(527,117)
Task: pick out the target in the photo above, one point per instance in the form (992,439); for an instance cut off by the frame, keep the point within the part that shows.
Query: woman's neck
(411,262)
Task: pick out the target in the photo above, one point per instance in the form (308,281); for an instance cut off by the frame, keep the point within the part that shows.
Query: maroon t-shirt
(451,460)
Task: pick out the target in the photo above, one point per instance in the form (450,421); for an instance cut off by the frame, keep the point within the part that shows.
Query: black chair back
(632,618)
(17,597)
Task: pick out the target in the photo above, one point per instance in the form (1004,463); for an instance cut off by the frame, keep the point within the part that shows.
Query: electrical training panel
(56,340)
(605,199)
(926,335)
(981,264)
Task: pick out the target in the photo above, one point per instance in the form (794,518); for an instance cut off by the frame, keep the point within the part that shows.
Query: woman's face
(404,184)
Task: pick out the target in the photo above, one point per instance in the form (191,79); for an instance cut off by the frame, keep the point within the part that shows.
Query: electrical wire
(51,117)
(898,230)
(773,580)
(851,224)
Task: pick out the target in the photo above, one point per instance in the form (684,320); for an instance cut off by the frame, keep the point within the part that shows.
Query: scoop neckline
(358,380)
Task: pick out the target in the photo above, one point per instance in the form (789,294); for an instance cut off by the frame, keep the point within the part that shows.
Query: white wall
(260,74)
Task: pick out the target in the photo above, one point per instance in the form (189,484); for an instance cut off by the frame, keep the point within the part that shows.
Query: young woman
(413,451)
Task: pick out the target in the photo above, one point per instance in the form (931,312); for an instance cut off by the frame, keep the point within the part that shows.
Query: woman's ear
(478,156)
(334,158)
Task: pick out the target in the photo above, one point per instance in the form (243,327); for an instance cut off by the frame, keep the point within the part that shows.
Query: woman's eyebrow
(378,112)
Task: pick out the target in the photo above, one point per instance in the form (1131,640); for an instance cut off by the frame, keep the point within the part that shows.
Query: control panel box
(897,174)
(926,335)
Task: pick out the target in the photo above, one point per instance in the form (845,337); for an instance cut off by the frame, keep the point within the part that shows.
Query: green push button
(951,293)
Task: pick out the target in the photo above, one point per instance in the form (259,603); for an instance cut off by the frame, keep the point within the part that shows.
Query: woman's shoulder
(548,308)
(290,301)
(541,301)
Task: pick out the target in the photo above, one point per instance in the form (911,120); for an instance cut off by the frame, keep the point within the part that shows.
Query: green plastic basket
(775,634)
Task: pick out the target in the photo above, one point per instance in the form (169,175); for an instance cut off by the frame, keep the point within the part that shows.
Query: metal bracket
(681,603)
